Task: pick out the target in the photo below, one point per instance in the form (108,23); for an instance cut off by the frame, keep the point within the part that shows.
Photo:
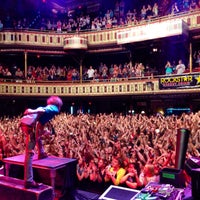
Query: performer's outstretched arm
(34,111)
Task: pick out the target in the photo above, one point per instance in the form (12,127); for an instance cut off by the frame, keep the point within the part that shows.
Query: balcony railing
(186,83)
(33,39)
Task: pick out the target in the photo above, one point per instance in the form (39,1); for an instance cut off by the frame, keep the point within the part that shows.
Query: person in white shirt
(180,68)
(148,175)
(90,73)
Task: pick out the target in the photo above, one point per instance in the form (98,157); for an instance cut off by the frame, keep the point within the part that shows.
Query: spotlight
(155,49)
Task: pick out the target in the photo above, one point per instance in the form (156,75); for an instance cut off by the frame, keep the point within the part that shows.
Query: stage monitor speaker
(196,184)
(181,147)
(192,163)
(175,176)
(172,176)
(192,167)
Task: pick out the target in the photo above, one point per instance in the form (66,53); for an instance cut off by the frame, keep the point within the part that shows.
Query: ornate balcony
(104,40)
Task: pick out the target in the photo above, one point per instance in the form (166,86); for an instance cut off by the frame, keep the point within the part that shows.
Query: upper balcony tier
(114,39)
(103,40)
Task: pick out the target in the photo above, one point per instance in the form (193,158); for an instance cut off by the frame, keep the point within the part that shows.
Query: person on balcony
(1,25)
(168,68)
(180,68)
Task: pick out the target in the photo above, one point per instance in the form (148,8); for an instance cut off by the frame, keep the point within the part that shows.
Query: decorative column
(81,70)
(25,64)
(190,57)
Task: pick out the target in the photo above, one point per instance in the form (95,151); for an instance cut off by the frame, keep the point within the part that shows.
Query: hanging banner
(152,30)
(183,81)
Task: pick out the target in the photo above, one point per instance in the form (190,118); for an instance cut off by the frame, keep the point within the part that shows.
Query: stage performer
(32,124)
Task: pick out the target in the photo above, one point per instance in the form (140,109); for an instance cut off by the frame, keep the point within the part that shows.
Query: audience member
(168,68)
(131,178)
(1,25)
(175,9)
(148,175)
(180,68)
(115,171)
(19,74)
(90,73)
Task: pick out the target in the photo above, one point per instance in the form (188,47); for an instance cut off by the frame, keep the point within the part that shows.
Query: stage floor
(50,162)
(13,189)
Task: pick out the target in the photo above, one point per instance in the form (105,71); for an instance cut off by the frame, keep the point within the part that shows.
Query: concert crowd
(136,147)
